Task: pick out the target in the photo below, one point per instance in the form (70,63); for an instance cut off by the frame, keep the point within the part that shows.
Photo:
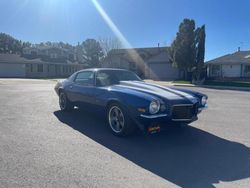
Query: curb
(226,88)
(185,85)
(214,87)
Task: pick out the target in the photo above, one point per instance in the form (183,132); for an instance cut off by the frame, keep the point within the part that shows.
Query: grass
(182,82)
(227,83)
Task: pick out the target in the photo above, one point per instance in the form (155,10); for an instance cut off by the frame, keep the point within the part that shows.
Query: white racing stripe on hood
(155,89)
(182,93)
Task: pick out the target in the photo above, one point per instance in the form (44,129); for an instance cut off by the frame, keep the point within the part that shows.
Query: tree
(92,52)
(8,44)
(48,43)
(200,51)
(108,44)
(26,44)
(182,51)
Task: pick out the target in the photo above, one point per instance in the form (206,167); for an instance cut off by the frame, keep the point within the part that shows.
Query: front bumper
(163,120)
(153,116)
(202,108)
(160,120)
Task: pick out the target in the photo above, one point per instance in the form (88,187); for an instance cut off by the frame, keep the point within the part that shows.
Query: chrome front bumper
(153,116)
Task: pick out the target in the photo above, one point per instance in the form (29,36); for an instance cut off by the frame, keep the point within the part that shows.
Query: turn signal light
(141,110)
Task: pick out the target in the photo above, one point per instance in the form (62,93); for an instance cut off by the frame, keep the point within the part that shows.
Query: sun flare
(132,53)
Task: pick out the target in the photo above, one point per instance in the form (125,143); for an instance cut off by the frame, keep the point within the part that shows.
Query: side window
(102,79)
(85,78)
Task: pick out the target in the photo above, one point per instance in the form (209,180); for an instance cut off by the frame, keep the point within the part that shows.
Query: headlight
(154,107)
(203,100)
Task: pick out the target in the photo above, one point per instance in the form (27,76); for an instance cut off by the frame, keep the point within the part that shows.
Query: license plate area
(154,129)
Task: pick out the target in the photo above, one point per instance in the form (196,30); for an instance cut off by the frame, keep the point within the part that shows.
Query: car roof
(100,69)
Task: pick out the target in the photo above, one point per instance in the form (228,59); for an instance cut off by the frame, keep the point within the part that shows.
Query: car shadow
(187,157)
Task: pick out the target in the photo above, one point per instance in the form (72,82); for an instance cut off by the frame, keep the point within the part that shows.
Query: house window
(132,66)
(31,67)
(34,53)
(40,68)
(215,70)
(247,69)
(53,55)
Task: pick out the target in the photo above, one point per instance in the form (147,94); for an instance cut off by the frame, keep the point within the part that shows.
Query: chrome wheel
(116,119)
(62,101)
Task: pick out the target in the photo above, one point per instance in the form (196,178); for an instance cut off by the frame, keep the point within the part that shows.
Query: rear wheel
(119,121)
(64,103)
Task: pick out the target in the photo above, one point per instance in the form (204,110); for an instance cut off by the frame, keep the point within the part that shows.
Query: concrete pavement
(40,146)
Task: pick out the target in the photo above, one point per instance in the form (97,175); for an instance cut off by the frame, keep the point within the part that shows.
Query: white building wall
(162,71)
(231,70)
(14,70)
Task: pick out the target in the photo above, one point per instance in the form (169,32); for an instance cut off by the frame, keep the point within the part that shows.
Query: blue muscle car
(127,101)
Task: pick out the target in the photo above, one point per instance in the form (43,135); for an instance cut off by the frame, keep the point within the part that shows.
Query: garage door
(12,70)
(231,70)
(160,71)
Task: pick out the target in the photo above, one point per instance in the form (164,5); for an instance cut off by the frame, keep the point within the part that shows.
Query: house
(235,65)
(149,63)
(51,52)
(14,65)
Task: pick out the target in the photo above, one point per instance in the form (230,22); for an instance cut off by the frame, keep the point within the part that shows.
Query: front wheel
(119,121)
(64,103)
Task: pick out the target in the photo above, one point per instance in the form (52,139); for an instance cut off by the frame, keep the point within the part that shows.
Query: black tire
(64,103)
(118,126)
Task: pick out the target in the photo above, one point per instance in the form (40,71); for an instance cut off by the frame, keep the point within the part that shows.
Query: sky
(140,23)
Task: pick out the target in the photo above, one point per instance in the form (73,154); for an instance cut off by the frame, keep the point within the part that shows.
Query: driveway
(41,146)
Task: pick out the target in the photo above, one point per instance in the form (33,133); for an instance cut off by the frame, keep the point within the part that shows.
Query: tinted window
(85,78)
(72,77)
(112,77)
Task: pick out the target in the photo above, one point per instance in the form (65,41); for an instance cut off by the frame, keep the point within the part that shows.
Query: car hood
(155,90)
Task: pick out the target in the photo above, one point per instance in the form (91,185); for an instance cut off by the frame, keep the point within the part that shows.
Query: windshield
(112,77)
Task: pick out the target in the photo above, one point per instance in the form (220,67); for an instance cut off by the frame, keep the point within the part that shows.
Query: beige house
(236,65)
(149,63)
(14,65)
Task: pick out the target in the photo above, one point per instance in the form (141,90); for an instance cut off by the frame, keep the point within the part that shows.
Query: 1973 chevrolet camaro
(127,101)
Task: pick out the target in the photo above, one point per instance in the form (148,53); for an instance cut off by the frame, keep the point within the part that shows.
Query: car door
(82,89)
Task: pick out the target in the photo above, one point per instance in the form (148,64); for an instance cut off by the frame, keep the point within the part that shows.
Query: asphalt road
(43,147)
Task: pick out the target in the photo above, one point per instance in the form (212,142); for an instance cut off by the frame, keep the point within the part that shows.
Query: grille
(184,112)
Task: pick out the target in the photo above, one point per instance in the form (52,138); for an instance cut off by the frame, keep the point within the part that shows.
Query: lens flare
(140,64)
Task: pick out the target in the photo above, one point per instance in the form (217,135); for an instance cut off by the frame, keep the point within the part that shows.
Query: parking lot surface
(40,146)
